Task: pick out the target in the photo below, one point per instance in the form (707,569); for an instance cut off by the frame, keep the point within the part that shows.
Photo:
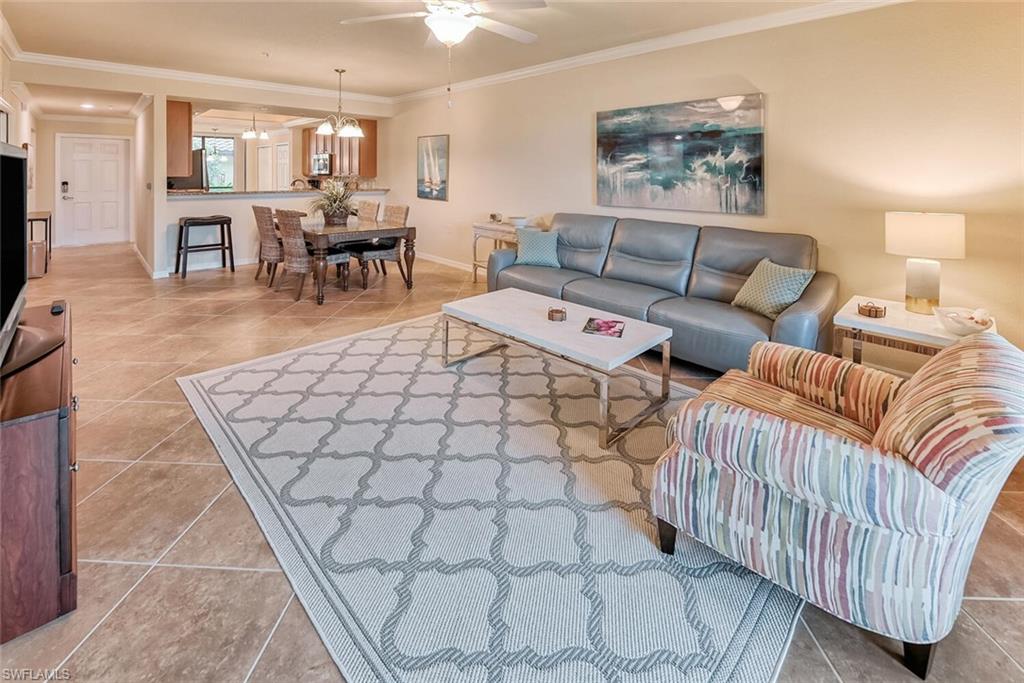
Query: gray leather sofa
(680,276)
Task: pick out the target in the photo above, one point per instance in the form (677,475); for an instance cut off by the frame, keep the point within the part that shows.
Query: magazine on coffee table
(605,328)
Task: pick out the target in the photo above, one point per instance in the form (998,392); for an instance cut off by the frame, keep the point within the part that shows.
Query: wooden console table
(38,539)
(899,329)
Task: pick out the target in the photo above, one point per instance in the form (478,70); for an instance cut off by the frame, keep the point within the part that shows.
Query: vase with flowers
(334,202)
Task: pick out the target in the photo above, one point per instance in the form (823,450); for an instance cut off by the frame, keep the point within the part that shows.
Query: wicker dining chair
(380,251)
(271,252)
(298,257)
(367,211)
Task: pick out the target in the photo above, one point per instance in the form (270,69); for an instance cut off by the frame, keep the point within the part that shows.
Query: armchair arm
(856,392)
(860,482)
(806,322)
(499,260)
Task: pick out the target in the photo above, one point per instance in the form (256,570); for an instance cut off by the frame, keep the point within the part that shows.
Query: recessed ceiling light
(87,106)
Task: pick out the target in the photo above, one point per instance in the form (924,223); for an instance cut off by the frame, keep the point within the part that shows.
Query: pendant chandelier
(250,133)
(339,124)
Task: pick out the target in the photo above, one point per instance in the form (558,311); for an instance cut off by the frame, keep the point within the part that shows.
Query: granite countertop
(203,194)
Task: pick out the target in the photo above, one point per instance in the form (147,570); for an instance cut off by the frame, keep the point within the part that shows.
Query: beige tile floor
(176,582)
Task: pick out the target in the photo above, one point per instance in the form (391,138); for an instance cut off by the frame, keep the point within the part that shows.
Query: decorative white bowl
(959,322)
(518,221)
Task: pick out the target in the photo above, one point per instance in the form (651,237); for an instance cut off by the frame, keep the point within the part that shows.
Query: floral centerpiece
(334,202)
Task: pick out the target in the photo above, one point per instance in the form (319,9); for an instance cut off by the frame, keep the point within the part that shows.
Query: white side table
(502,234)
(899,329)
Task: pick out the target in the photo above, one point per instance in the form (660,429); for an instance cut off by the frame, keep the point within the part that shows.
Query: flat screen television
(13,241)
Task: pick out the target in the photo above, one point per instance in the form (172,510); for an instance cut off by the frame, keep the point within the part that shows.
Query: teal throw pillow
(537,248)
(772,288)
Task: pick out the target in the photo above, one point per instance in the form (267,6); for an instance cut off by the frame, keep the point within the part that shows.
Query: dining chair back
(395,215)
(367,211)
(271,252)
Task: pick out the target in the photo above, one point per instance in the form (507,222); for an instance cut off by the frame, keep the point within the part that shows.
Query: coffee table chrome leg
(607,434)
(447,360)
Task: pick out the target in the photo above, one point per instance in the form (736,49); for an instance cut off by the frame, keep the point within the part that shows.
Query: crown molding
(140,105)
(192,76)
(85,119)
(728,29)
(8,41)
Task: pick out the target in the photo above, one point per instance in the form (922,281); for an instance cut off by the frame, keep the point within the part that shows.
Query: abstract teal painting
(703,155)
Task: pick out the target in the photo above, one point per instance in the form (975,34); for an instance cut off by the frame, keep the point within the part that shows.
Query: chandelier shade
(339,124)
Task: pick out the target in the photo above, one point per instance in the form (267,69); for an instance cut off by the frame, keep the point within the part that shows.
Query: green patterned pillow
(537,248)
(772,288)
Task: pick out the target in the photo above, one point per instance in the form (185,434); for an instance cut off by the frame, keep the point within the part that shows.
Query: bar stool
(225,246)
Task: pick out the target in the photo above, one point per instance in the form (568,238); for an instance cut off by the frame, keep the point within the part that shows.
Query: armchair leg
(918,658)
(666,537)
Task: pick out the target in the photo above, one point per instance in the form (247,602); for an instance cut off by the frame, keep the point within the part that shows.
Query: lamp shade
(925,235)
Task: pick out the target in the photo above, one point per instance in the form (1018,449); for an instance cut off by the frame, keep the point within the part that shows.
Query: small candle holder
(556,315)
(871,310)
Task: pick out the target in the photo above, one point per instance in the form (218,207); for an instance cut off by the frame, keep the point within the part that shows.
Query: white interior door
(93,191)
(264,168)
(283,163)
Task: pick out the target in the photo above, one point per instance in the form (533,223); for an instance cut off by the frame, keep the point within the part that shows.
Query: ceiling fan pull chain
(449,77)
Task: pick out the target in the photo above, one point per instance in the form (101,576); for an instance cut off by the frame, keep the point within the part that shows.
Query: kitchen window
(220,160)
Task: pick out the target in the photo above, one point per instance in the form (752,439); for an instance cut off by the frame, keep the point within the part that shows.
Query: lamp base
(922,285)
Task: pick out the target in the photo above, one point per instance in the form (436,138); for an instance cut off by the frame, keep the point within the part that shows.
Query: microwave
(322,164)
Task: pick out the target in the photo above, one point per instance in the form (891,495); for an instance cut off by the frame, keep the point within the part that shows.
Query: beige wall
(46,139)
(909,107)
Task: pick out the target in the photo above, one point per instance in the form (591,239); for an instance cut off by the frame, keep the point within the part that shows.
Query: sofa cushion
(539,279)
(617,296)
(583,240)
(710,333)
(742,389)
(960,418)
(725,257)
(652,253)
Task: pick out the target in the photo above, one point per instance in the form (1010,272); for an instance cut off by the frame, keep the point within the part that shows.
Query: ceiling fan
(450,21)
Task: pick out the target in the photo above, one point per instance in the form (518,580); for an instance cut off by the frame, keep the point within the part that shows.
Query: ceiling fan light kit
(450,26)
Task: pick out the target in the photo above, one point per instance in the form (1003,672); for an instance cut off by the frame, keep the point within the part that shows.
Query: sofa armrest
(822,469)
(805,323)
(856,392)
(499,260)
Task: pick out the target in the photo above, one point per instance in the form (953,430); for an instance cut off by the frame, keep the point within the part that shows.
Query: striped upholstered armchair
(863,493)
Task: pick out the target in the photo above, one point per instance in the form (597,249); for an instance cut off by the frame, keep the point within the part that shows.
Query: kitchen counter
(201,194)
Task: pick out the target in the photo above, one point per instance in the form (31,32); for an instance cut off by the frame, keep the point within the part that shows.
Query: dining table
(322,236)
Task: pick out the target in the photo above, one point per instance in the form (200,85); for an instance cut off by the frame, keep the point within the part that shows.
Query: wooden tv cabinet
(38,554)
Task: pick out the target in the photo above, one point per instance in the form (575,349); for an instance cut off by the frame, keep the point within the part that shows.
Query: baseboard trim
(142,260)
(445,261)
(159,274)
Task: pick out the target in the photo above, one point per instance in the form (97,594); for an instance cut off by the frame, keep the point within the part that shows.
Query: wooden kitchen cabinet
(179,139)
(352,156)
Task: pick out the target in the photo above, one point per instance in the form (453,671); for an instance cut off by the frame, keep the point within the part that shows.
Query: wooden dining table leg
(320,273)
(410,256)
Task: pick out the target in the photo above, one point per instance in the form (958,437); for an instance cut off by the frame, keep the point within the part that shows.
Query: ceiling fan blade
(383,17)
(506,30)
(432,40)
(498,5)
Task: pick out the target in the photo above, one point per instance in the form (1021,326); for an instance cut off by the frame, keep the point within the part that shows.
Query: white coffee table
(520,317)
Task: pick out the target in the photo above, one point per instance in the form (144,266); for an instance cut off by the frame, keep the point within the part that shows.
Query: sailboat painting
(703,155)
(432,167)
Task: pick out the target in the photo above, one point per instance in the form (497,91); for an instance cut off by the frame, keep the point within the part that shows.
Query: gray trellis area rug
(462,524)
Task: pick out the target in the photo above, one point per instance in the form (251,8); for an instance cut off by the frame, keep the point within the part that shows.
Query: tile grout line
(1006,521)
(153,462)
(180,565)
(136,584)
(994,641)
(133,462)
(273,630)
(824,654)
(981,598)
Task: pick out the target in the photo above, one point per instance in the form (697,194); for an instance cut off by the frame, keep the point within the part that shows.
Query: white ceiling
(300,43)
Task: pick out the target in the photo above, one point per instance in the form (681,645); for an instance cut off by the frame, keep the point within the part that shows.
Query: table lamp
(924,237)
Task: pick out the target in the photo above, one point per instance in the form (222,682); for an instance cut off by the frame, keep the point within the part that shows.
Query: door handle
(66,197)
